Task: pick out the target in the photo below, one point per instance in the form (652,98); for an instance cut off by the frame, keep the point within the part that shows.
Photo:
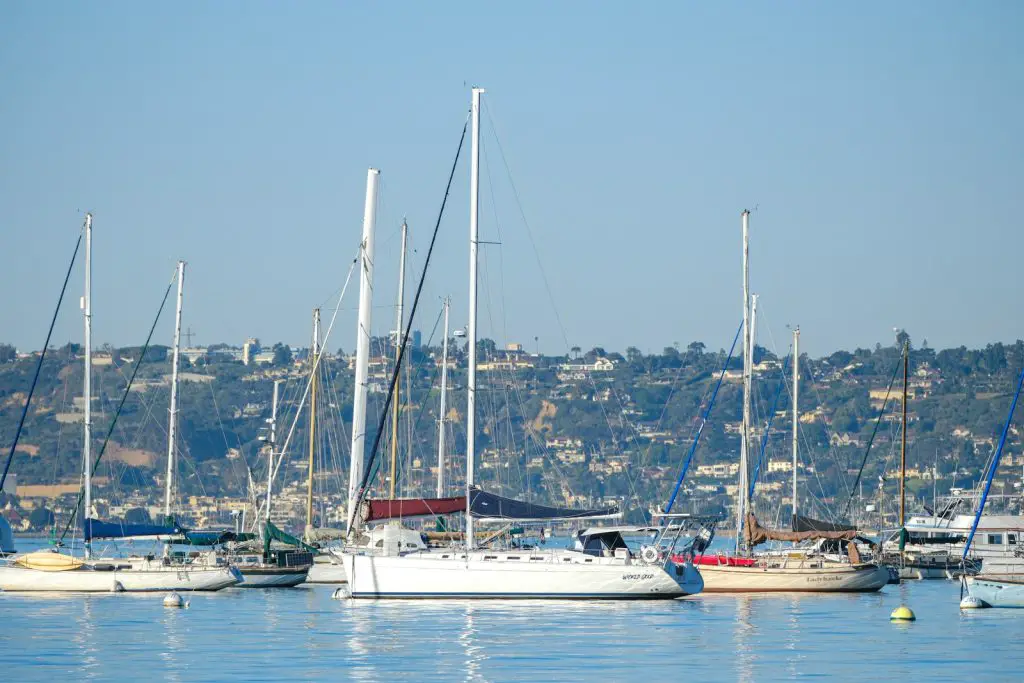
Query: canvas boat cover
(321,534)
(373,510)
(272,533)
(95,528)
(490,506)
(211,537)
(755,534)
(801,523)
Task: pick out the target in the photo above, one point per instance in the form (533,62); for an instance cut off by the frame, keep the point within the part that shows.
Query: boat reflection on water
(483,640)
(474,653)
(743,639)
(175,648)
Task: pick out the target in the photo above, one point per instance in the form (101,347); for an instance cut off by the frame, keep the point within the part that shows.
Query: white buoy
(340,593)
(971,602)
(174,600)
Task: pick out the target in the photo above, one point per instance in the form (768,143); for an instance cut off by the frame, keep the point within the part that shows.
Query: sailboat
(54,571)
(268,567)
(1000,583)
(600,566)
(796,570)
(326,567)
(920,555)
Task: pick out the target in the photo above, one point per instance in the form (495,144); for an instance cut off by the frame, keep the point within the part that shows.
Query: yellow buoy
(902,613)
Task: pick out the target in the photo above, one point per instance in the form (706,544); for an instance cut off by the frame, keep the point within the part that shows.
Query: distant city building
(250,349)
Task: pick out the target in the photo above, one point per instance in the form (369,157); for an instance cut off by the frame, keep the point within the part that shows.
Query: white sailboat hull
(86,580)
(331,571)
(765,579)
(997,591)
(511,575)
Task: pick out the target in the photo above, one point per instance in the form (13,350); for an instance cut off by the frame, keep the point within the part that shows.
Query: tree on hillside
(41,518)
(7,353)
(633,355)
(485,348)
(282,355)
(671,358)
(137,516)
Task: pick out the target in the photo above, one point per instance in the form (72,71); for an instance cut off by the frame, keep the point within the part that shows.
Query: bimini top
(622,530)
(490,506)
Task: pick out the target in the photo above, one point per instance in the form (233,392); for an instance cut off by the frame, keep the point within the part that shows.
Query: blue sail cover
(95,528)
(488,505)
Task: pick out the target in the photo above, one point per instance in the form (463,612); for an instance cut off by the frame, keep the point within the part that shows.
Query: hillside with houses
(583,428)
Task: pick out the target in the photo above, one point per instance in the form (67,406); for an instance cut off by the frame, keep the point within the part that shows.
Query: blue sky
(879,142)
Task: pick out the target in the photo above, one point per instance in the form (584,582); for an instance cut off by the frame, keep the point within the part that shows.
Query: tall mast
(903,449)
(753,336)
(474,240)
(273,447)
(399,327)
(87,382)
(741,494)
(172,427)
(362,341)
(314,355)
(442,421)
(796,411)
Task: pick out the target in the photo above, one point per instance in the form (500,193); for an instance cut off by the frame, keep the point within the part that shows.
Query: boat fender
(340,593)
(117,587)
(174,600)
(971,602)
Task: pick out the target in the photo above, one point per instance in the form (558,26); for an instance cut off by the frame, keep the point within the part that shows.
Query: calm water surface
(303,634)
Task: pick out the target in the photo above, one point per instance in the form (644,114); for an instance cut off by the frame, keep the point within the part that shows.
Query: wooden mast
(903,449)
(399,326)
(314,356)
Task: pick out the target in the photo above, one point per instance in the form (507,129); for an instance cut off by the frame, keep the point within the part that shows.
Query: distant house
(846,440)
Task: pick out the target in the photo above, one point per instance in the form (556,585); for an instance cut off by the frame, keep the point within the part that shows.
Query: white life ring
(649,554)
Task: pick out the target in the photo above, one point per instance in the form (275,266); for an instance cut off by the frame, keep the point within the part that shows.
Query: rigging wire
(39,366)
(703,422)
(767,431)
(373,465)
(867,451)
(298,412)
(124,397)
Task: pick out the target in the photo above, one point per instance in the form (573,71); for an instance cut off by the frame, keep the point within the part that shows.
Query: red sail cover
(412,507)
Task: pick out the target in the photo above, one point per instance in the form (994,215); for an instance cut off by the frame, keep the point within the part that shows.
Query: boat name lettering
(637,577)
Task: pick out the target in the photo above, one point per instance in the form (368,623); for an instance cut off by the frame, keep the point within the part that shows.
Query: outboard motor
(703,539)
